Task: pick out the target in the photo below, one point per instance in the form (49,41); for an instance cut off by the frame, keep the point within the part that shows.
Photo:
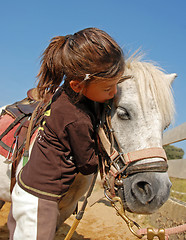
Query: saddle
(25,124)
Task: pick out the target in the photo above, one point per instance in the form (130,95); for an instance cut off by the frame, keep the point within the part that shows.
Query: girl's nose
(114,91)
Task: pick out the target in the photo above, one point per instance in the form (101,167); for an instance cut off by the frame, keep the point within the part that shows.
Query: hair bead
(87,76)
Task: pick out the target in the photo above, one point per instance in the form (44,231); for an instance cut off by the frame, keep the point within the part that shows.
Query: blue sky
(157,27)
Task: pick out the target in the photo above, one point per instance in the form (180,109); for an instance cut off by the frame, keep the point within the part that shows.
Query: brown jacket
(65,145)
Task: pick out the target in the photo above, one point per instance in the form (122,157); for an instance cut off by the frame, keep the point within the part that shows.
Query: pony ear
(171,77)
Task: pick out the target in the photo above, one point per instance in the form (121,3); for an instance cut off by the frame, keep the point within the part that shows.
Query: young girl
(90,63)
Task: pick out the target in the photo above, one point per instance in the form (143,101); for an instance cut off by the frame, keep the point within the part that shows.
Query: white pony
(141,111)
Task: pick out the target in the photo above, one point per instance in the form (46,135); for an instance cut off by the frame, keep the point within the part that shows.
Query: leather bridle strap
(110,150)
(159,166)
(154,152)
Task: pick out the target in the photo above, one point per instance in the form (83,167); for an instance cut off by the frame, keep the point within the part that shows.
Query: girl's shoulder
(64,109)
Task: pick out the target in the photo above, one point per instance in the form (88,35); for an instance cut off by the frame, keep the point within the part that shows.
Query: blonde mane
(148,75)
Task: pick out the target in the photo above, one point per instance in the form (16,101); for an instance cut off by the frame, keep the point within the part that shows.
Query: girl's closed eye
(107,89)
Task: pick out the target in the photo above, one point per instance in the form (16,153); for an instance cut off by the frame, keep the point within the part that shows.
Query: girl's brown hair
(90,51)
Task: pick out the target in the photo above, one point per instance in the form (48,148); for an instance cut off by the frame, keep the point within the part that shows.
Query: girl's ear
(76,86)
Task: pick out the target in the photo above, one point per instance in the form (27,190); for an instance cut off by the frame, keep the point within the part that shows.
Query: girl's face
(101,91)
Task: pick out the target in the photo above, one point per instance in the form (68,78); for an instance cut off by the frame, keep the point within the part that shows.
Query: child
(90,63)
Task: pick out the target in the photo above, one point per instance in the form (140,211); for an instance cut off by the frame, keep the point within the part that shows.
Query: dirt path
(99,222)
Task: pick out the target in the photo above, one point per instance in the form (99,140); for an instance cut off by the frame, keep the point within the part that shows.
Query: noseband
(120,165)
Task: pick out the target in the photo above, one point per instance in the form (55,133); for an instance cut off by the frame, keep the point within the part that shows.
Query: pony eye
(123,113)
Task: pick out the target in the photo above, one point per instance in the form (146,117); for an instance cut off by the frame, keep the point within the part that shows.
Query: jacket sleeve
(82,143)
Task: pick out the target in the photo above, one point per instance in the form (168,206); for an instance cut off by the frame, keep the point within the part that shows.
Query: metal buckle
(121,212)
(151,234)
(9,159)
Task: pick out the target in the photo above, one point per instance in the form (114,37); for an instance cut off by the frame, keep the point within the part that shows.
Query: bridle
(122,164)
(116,165)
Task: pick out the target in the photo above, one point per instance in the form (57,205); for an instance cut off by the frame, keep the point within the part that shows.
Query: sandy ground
(99,222)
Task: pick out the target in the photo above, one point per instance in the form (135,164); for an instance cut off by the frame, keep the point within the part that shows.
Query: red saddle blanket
(8,139)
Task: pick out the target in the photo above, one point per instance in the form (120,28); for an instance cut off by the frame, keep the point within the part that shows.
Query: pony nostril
(143,192)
